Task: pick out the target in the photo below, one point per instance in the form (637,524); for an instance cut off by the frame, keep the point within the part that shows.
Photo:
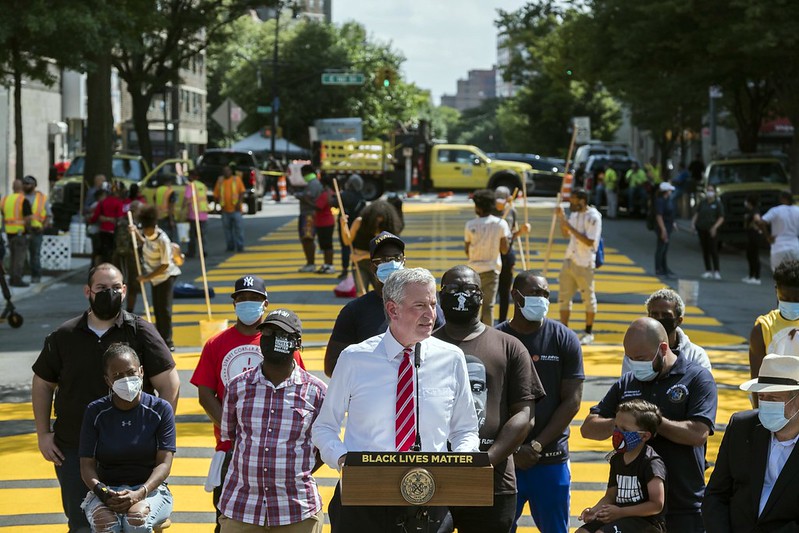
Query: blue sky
(441,39)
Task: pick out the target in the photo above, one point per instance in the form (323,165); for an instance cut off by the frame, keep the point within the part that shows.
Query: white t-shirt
(483,235)
(589,223)
(157,252)
(784,220)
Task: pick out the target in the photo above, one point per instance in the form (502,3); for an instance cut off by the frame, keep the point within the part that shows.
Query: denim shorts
(160,501)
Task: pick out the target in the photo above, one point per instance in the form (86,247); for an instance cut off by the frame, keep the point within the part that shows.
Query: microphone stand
(417,362)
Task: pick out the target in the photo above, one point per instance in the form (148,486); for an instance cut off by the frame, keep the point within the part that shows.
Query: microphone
(417,361)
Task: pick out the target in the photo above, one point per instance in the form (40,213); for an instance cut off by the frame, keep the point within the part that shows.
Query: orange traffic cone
(281,187)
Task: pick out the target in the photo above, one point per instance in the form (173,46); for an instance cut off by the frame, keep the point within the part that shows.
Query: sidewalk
(77,265)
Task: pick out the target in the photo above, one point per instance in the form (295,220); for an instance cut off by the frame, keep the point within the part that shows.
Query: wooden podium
(417,478)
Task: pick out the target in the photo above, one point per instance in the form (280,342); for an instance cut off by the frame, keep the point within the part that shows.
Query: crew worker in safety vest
(227,193)
(201,215)
(41,217)
(165,199)
(17,219)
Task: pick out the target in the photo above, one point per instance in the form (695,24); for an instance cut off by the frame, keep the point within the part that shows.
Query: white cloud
(441,39)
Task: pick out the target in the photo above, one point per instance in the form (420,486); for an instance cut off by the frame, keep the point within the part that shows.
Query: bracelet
(146,492)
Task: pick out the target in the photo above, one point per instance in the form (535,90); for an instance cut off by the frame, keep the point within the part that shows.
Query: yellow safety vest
(39,210)
(12,213)
(162,196)
(202,198)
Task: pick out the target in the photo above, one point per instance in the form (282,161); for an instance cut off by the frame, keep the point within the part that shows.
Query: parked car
(243,163)
(621,165)
(600,148)
(737,178)
(547,172)
(65,197)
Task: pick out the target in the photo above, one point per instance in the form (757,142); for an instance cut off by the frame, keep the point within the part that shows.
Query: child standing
(636,493)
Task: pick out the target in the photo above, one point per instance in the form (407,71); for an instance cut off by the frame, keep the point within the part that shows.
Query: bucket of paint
(688,290)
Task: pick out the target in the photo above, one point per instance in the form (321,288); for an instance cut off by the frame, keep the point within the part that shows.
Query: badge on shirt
(677,393)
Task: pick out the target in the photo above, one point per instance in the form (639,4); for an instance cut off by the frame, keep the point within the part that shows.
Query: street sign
(583,127)
(715,92)
(229,115)
(343,78)
(263,109)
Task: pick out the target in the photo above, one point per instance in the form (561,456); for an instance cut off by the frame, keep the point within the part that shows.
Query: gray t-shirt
(308,199)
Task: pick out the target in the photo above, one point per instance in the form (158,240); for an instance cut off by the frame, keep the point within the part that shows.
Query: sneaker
(707,275)
(307,268)
(326,269)
(586,338)
(717,275)
(754,281)
(747,279)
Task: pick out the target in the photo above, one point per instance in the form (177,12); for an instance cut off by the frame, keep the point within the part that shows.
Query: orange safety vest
(162,195)
(228,192)
(12,213)
(39,210)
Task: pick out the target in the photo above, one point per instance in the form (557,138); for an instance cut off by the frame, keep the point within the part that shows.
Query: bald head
(460,274)
(644,339)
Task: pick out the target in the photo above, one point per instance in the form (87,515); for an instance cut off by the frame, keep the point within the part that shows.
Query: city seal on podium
(417,486)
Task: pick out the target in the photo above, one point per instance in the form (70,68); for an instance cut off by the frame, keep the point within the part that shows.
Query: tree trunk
(100,120)
(141,103)
(19,166)
(793,153)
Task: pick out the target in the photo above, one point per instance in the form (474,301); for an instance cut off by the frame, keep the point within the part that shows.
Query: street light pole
(275,104)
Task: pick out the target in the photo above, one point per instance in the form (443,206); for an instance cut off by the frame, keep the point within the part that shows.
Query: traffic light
(569,72)
(385,77)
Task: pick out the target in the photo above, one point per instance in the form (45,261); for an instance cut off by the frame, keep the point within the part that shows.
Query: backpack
(600,254)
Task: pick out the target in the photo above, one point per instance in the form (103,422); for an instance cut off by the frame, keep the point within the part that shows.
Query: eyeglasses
(377,261)
(467,288)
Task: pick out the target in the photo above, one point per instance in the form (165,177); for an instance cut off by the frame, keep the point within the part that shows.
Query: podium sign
(417,478)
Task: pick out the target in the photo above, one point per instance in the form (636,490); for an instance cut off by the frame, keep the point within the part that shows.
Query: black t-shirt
(72,358)
(556,355)
(125,443)
(665,209)
(631,479)
(687,392)
(501,374)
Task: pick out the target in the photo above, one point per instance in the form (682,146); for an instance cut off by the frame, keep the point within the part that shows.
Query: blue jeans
(661,249)
(233,226)
(546,488)
(159,501)
(35,251)
(73,490)
(599,192)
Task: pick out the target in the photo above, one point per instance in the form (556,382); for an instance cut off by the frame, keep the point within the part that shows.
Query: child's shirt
(631,479)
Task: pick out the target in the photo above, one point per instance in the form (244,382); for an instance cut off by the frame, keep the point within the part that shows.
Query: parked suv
(735,179)
(547,172)
(245,164)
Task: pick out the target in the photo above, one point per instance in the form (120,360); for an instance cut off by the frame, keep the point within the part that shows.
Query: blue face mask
(789,310)
(645,370)
(535,308)
(772,415)
(625,441)
(384,270)
(249,312)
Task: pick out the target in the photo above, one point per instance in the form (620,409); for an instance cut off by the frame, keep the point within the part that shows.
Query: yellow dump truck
(435,166)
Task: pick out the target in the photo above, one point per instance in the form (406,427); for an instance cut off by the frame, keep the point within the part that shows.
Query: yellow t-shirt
(779,335)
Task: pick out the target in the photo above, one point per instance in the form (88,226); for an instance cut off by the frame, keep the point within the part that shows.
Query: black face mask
(459,308)
(106,304)
(279,347)
(668,323)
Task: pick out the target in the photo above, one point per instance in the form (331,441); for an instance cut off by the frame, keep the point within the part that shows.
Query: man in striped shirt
(268,413)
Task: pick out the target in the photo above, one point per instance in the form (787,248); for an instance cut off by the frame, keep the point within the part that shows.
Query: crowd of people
(414,363)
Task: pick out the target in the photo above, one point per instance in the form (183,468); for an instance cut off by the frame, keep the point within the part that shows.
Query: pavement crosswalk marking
(29,496)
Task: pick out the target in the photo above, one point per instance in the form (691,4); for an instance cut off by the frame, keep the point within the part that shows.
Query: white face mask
(128,388)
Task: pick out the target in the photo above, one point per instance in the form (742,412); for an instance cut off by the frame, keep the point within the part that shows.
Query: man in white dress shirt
(753,486)
(365,387)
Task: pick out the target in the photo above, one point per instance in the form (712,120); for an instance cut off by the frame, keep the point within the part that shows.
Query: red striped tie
(406,406)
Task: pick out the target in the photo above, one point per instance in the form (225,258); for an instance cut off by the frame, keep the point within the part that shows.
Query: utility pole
(275,101)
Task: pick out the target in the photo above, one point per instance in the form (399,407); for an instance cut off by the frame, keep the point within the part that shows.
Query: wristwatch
(537,447)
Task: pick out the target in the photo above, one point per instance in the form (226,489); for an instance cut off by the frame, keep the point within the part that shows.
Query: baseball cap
(666,186)
(285,319)
(250,283)
(29,180)
(382,239)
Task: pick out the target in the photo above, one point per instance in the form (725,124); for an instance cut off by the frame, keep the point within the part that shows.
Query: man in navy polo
(543,476)
(686,394)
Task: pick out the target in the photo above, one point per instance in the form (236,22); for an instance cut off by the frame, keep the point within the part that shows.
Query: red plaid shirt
(269,482)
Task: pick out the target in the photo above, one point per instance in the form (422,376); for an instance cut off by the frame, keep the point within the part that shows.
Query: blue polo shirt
(557,355)
(687,392)
(125,443)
